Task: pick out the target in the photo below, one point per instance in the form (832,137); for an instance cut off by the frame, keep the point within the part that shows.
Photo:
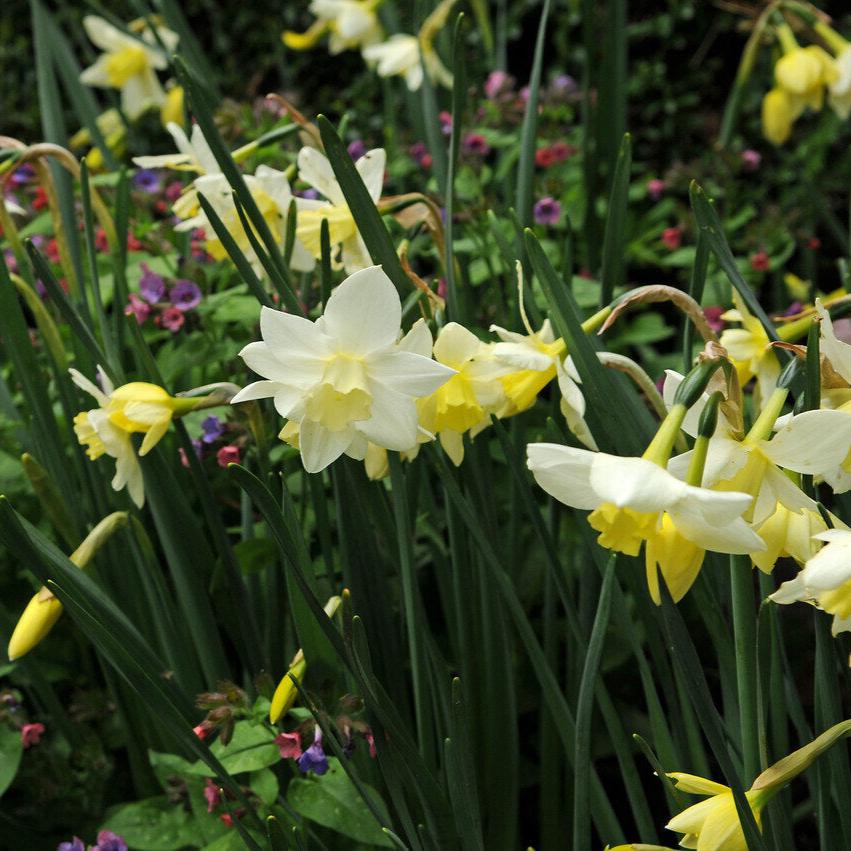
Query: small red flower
(31,734)
(40,200)
(672,238)
(228,455)
(544,157)
(814,243)
(561,151)
(133,244)
(51,250)
(289,745)
(760,261)
(101,243)
(173,319)
(201,731)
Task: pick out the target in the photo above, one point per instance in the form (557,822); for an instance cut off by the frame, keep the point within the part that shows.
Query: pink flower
(655,188)
(445,119)
(751,159)
(201,731)
(138,308)
(212,794)
(226,819)
(289,744)
(228,455)
(370,740)
(713,317)
(496,83)
(31,734)
(476,144)
(173,190)
(672,238)
(173,319)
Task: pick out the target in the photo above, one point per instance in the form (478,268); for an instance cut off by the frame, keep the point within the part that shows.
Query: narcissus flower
(350,24)
(129,63)
(713,824)
(137,407)
(633,501)
(193,153)
(465,401)
(343,378)
(314,168)
(825,581)
(271,191)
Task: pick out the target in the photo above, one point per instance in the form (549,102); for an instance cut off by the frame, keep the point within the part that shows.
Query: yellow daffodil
(129,63)
(114,132)
(749,349)
(137,407)
(634,501)
(271,191)
(314,168)
(350,24)
(43,610)
(464,403)
(172,109)
(713,824)
(780,111)
(825,580)
(343,378)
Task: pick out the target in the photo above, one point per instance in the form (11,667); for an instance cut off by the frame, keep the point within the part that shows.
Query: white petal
(418,340)
(319,447)
(371,169)
(564,473)
(90,387)
(289,335)
(104,35)
(734,537)
(634,483)
(257,390)
(455,344)
(393,421)
(522,356)
(829,568)
(408,373)
(837,352)
(793,591)
(96,74)
(314,168)
(814,442)
(364,313)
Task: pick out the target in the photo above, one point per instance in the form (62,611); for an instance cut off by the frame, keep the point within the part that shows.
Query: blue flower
(151,285)
(147,180)
(314,759)
(109,841)
(185,295)
(76,844)
(213,429)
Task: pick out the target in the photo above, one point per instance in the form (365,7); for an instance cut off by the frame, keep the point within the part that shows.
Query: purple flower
(185,295)
(109,841)
(147,180)
(445,119)
(11,261)
(311,194)
(151,285)
(22,174)
(563,84)
(357,149)
(212,428)
(314,759)
(76,844)
(547,211)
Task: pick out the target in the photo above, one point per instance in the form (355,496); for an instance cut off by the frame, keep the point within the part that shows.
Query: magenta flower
(445,119)
(151,285)
(357,149)
(751,159)
(109,841)
(547,211)
(212,795)
(289,745)
(173,319)
(31,734)
(475,143)
(655,188)
(138,308)
(185,295)
(228,455)
(496,83)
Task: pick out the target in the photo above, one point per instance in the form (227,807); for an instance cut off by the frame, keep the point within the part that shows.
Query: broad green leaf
(251,748)
(153,824)
(11,749)
(332,801)
(264,784)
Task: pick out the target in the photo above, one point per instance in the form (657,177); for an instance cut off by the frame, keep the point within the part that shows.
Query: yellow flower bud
(286,692)
(779,112)
(43,610)
(171,112)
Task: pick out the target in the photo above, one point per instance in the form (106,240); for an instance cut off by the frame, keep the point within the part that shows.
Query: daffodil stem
(584,707)
(761,429)
(660,448)
(744,630)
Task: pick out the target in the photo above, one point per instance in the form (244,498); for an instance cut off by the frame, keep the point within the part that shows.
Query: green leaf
(614,242)
(264,784)
(375,235)
(332,801)
(251,748)
(153,824)
(254,555)
(11,749)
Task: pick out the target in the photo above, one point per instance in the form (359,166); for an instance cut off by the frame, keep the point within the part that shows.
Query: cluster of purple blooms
(106,841)
(169,304)
(212,430)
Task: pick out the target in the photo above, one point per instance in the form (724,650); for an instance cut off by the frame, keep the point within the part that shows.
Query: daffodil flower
(398,56)
(271,191)
(314,169)
(129,63)
(634,501)
(825,580)
(713,824)
(350,24)
(749,348)
(137,407)
(193,153)
(343,378)
(464,403)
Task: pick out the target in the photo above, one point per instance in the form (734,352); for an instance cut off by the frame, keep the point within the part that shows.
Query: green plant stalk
(744,630)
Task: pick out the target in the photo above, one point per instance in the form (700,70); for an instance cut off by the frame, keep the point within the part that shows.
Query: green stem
(744,629)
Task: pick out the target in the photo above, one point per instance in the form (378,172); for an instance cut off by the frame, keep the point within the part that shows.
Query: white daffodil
(398,56)
(314,169)
(825,581)
(271,191)
(633,501)
(840,89)
(343,378)
(129,63)
(466,401)
(13,207)
(193,153)
(350,24)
